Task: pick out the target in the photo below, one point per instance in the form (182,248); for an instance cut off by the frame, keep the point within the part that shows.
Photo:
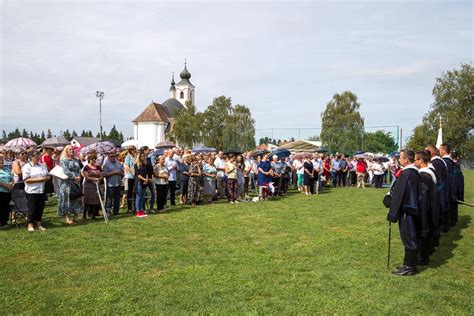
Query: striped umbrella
(103,147)
(20,143)
(55,142)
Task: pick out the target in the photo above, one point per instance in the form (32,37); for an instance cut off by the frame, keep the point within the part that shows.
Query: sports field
(306,254)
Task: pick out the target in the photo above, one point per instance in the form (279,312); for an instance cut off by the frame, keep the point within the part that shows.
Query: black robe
(405,195)
(428,204)
(459,182)
(441,174)
(451,187)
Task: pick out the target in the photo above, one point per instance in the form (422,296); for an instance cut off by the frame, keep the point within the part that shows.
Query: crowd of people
(424,201)
(142,183)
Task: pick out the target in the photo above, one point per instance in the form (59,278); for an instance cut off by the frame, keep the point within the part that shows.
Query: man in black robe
(429,206)
(451,185)
(459,180)
(441,171)
(405,208)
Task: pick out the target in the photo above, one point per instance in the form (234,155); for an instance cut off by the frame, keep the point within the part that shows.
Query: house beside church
(157,120)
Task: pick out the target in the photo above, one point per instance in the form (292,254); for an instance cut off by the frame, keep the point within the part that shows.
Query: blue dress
(66,205)
(261,178)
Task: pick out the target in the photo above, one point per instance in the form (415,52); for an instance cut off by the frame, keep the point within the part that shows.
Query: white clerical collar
(447,156)
(410,166)
(429,171)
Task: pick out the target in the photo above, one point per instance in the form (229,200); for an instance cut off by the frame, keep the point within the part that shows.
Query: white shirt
(30,171)
(171,165)
(219,163)
(298,166)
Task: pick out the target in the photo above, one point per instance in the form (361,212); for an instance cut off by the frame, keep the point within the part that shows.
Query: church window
(181,95)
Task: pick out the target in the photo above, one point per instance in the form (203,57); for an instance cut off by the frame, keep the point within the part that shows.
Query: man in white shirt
(172,167)
(219,163)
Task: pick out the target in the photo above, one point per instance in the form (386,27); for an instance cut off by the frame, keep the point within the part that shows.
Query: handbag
(75,195)
(49,186)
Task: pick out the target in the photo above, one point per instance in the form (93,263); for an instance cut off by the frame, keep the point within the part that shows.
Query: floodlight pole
(100,95)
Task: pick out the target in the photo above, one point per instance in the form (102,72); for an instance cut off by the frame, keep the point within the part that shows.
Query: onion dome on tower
(185,75)
(172,88)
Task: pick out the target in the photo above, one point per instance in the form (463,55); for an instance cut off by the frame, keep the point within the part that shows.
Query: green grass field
(306,254)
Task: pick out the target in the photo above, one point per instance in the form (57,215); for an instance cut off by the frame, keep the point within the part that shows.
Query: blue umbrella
(280,152)
(203,149)
(394,153)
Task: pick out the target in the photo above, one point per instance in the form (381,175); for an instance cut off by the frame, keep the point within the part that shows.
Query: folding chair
(19,208)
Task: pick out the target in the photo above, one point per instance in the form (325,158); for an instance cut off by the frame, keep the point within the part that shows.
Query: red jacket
(361,166)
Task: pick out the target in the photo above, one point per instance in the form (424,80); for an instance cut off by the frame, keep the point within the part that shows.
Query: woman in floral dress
(193,185)
(70,202)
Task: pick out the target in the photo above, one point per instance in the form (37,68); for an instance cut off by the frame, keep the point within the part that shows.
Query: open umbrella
(257,153)
(280,152)
(19,143)
(103,147)
(382,159)
(203,149)
(165,145)
(55,142)
(233,151)
(132,142)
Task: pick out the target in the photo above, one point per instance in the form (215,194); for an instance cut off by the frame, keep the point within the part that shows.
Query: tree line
(114,135)
(222,126)
(453,93)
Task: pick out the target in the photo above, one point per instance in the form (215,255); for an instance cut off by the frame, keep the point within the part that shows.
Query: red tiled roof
(155,112)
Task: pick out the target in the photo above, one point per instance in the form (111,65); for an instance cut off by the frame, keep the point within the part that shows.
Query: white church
(151,126)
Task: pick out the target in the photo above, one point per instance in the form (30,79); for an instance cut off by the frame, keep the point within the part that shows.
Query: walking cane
(464,203)
(106,217)
(389,241)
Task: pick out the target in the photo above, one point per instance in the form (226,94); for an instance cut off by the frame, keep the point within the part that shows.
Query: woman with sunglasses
(92,176)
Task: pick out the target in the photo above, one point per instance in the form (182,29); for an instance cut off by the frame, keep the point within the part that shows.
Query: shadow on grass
(448,242)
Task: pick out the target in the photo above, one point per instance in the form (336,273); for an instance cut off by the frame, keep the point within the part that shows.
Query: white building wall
(188,93)
(150,133)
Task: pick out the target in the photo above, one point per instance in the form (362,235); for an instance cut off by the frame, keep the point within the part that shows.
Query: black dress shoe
(405,271)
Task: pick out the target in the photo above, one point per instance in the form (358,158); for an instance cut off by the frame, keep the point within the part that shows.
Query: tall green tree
(49,134)
(453,95)
(215,119)
(114,135)
(67,134)
(239,131)
(342,124)
(15,134)
(379,142)
(187,126)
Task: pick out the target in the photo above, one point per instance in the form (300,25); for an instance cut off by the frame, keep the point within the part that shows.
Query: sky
(284,60)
